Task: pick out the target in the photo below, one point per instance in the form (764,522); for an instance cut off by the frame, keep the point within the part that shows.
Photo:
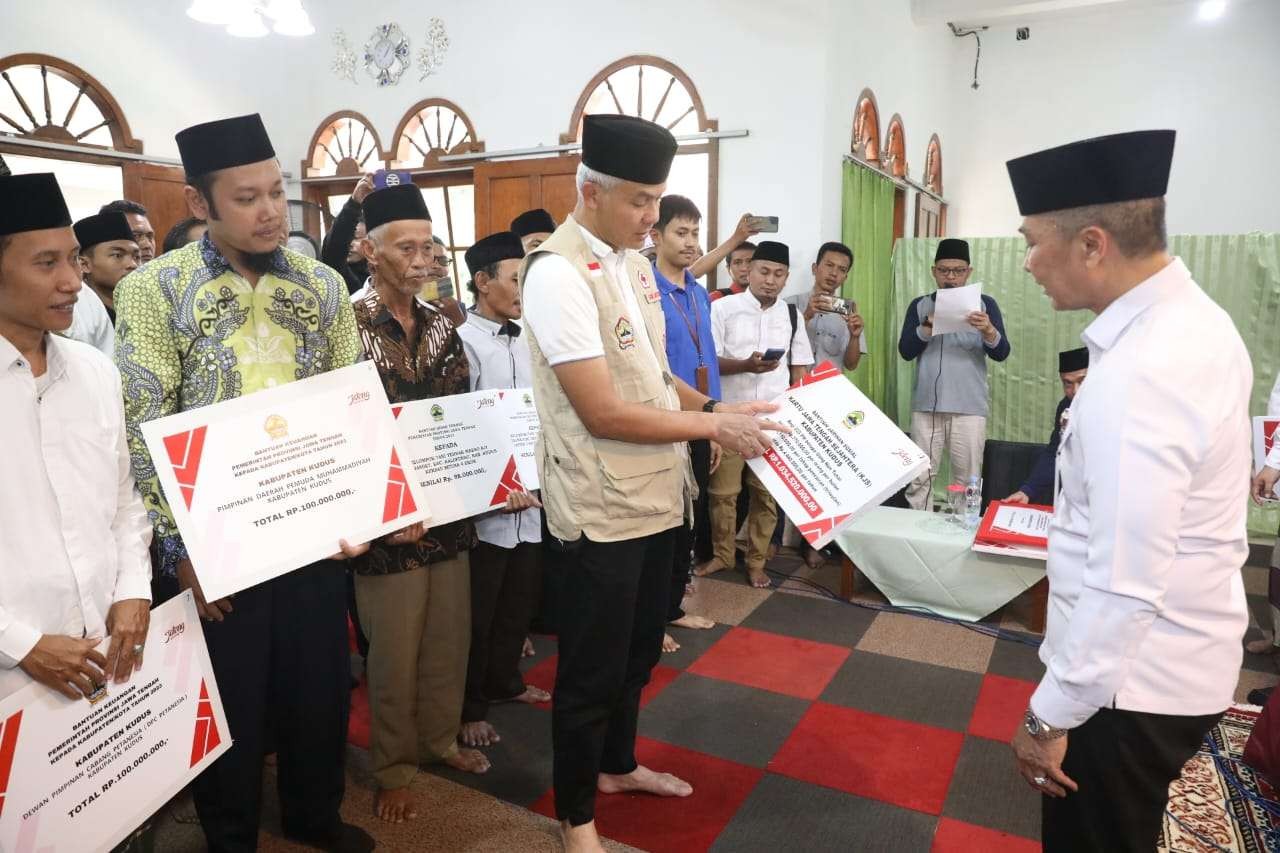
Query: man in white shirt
(74,566)
(763,349)
(506,574)
(108,253)
(615,483)
(1147,607)
(1263,489)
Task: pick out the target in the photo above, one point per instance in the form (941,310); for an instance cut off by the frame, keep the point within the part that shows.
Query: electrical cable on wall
(959,33)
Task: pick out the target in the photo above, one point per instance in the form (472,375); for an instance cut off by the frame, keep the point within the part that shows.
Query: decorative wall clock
(386,54)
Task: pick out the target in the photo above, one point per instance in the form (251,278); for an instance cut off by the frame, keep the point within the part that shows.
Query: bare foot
(468,761)
(1265,646)
(669,644)
(690,621)
(527,650)
(759,579)
(814,558)
(710,567)
(479,733)
(645,780)
(395,805)
(533,695)
(580,839)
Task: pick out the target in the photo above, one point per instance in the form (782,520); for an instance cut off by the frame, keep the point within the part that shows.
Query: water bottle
(972,504)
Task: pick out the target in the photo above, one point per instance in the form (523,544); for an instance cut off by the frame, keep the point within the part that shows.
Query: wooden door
(930,216)
(506,189)
(158,189)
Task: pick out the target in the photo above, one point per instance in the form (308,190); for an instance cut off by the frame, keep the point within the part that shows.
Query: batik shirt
(432,364)
(191,332)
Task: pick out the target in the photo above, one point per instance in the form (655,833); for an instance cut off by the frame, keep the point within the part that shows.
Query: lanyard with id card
(700,378)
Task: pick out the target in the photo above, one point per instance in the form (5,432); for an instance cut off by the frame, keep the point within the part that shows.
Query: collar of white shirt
(492,328)
(1106,329)
(56,365)
(599,248)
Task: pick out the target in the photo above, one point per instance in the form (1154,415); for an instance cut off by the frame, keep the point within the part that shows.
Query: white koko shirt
(1147,608)
(741,326)
(500,360)
(73,531)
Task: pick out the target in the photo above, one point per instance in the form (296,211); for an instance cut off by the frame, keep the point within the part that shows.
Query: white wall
(1216,83)
(788,71)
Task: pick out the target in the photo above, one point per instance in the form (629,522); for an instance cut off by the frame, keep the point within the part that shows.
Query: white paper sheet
(953,305)
(1022,521)
(1266,431)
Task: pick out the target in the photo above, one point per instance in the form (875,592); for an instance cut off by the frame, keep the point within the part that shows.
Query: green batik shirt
(191,332)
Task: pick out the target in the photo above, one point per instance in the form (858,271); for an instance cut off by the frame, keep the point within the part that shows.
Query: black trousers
(282,662)
(505,583)
(545,620)
(688,539)
(1123,762)
(612,612)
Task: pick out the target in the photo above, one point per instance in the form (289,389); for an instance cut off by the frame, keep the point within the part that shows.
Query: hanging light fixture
(245,18)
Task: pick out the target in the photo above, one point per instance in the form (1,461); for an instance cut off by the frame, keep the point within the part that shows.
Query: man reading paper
(225,316)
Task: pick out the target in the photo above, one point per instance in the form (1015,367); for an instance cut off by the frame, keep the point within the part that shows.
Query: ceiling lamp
(248,18)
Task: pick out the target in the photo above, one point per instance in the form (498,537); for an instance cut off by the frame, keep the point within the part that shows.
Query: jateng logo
(907,461)
(174,632)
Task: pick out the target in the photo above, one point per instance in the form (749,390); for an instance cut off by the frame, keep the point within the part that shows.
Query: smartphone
(439,289)
(772,354)
(384,178)
(765,224)
(836,305)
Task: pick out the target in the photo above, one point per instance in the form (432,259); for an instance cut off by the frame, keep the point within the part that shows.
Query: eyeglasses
(951,272)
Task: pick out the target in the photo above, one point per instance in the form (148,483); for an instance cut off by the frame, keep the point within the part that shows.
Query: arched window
(46,98)
(895,148)
(933,165)
(345,145)
(657,90)
(865,142)
(431,129)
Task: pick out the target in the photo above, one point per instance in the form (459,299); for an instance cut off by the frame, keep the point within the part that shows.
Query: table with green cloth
(920,559)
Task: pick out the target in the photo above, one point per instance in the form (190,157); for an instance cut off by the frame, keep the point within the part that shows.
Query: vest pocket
(636,480)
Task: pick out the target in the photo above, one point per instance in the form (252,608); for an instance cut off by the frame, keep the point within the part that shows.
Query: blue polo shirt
(681,350)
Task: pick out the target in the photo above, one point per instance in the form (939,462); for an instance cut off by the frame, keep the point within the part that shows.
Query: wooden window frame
(710,147)
(864,139)
(432,157)
(122,138)
(344,170)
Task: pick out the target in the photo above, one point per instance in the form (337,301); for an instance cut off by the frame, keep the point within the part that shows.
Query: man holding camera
(834,327)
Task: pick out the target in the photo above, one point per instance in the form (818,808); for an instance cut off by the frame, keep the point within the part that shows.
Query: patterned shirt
(431,364)
(191,332)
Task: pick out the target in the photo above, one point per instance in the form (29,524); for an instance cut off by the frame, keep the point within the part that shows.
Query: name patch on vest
(651,294)
(624,333)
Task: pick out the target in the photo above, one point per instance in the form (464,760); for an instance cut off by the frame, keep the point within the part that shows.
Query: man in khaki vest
(613,472)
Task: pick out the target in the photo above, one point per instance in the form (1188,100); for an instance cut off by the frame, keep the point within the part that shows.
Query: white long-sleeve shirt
(741,327)
(500,360)
(91,324)
(1147,609)
(73,531)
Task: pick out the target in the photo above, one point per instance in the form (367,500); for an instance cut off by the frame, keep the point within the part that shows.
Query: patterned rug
(1210,808)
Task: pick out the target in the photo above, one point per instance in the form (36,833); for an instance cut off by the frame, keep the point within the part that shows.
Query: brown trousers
(762,516)
(419,628)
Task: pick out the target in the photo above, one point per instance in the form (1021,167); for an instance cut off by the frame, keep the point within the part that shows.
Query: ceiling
(1016,12)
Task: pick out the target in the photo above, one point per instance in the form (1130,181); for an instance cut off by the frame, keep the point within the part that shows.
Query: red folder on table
(1031,518)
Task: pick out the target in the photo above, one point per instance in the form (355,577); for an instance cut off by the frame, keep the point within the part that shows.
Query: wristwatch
(1038,728)
(710,405)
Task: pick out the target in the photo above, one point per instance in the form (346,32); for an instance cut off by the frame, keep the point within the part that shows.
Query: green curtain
(867,229)
(1241,272)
